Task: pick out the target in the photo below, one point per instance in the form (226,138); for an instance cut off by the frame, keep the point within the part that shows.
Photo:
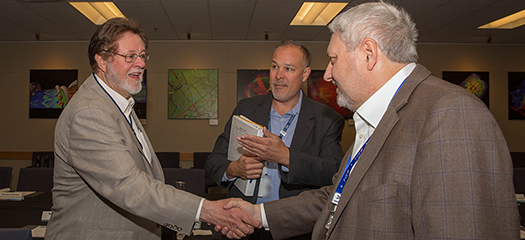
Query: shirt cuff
(285,169)
(226,179)
(263,218)
(199,211)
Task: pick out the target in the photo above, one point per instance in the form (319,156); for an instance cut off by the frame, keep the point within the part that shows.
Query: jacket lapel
(377,140)
(105,96)
(262,112)
(156,168)
(305,124)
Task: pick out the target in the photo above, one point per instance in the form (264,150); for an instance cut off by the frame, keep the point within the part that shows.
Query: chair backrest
(519,180)
(43,159)
(194,178)
(199,159)
(168,159)
(5,177)
(15,234)
(35,179)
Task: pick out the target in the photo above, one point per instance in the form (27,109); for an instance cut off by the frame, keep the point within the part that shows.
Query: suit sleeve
(462,181)
(319,159)
(218,162)
(103,156)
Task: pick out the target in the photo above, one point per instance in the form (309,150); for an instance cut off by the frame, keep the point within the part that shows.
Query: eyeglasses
(131,58)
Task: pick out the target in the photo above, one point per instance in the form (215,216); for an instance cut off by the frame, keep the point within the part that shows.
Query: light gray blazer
(104,187)
(436,167)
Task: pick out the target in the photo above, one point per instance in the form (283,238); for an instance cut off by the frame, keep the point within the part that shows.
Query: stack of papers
(241,125)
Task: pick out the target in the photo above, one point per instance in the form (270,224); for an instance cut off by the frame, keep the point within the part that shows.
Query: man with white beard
(108,183)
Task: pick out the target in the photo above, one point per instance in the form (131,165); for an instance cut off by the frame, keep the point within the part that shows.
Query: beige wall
(19,133)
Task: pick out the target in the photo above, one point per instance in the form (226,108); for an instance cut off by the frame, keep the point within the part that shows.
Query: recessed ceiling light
(509,22)
(317,13)
(98,12)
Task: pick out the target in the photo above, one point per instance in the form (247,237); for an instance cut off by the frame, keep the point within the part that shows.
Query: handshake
(233,217)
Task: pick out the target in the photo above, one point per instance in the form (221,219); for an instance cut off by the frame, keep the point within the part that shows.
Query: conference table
(28,214)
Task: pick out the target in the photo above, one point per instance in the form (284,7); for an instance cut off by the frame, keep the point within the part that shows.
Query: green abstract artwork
(192,93)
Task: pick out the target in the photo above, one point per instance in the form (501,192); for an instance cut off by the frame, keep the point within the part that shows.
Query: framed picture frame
(50,90)
(193,93)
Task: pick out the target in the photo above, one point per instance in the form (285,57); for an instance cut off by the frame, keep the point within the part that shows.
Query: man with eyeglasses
(108,183)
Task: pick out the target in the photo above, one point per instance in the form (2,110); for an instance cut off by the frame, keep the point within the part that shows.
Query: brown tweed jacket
(436,167)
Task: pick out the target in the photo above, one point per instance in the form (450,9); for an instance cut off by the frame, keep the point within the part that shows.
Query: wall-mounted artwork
(251,82)
(141,97)
(50,91)
(475,82)
(325,92)
(516,95)
(192,93)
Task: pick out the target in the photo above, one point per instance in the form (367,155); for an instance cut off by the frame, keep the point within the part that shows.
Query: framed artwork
(325,92)
(475,82)
(141,97)
(251,82)
(50,91)
(192,93)
(516,95)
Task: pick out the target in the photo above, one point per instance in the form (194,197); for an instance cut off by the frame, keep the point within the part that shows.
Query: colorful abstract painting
(50,91)
(252,83)
(516,95)
(475,82)
(192,93)
(325,92)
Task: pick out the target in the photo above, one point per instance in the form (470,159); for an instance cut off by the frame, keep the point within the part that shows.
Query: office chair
(5,177)
(35,179)
(43,160)
(168,159)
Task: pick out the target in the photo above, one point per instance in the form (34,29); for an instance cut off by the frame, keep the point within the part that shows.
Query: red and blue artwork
(516,95)
(325,92)
(251,83)
(475,82)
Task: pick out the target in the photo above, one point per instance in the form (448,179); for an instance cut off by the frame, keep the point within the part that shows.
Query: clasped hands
(246,211)
(228,215)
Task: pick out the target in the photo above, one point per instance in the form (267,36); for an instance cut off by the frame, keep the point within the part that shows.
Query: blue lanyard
(346,174)
(282,133)
(350,165)
(130,118)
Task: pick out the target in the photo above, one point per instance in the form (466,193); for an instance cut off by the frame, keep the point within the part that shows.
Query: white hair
(390,27)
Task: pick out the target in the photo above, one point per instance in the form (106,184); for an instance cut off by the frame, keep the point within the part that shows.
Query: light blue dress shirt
(276,124)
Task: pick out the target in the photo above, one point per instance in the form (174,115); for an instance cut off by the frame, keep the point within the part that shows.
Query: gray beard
(343,101)
(123,83)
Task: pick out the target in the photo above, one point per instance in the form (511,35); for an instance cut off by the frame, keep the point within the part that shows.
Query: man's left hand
(270,148)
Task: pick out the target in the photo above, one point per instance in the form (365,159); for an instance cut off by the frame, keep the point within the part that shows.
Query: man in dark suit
(429,160)
(108,183)
(301,145)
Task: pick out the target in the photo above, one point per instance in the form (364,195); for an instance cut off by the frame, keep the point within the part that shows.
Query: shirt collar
(125,105)
(375,107)
(295,110)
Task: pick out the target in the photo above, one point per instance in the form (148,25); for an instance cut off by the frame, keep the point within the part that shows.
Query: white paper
(46,215)
(39,232)
(12,196)
(241,125)
(198,232)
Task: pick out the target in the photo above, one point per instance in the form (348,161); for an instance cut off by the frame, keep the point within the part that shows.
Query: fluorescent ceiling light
(98,12)
(317,13)
(509,22)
